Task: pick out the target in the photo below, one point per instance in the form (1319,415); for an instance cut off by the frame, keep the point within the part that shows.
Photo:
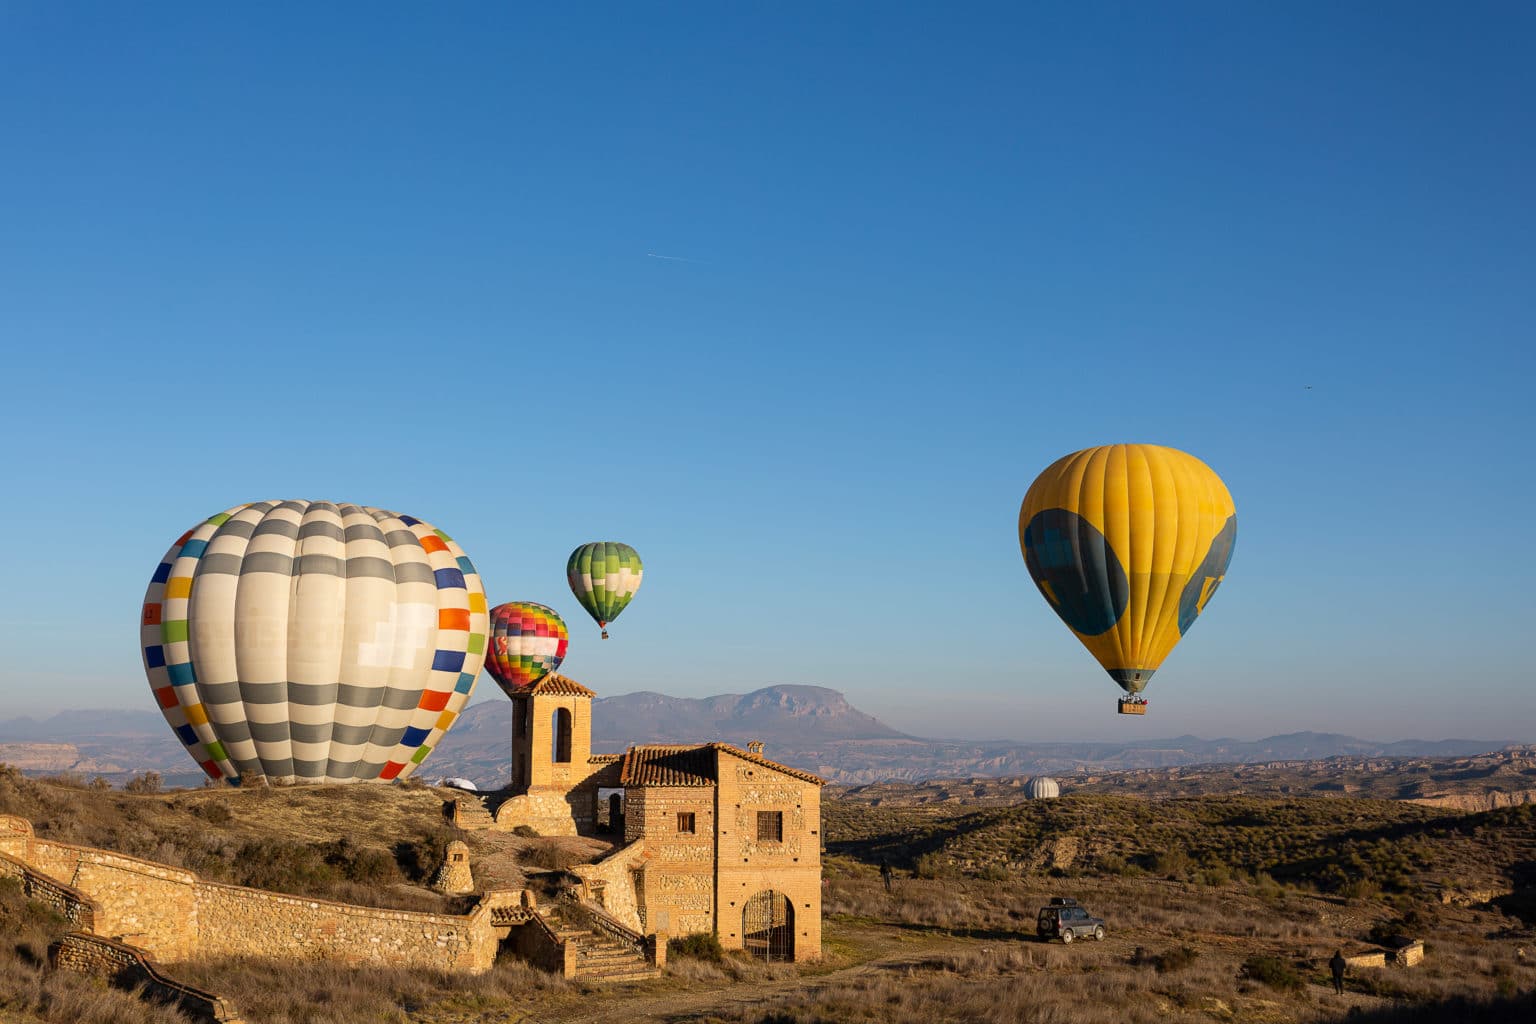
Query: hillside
(1220,907)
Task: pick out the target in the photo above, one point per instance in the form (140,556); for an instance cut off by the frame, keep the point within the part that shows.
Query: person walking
(885,873)
(1336,966)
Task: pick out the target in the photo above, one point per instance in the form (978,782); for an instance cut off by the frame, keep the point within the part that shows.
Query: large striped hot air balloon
(305,641)
(604,576)
(527,643)
(1128,542)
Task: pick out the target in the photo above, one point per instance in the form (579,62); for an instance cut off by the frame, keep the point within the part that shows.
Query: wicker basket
(1130,708)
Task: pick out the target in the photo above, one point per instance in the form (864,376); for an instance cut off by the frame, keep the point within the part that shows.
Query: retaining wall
(252,922)
(174,915)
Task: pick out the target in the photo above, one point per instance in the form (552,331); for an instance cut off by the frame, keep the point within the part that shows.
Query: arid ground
(1220,907)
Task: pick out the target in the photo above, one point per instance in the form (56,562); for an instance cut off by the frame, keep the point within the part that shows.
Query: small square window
(770,826)
(685,822)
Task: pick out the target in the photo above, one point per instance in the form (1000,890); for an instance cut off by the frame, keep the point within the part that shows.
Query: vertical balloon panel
(313,642)
(1127,543)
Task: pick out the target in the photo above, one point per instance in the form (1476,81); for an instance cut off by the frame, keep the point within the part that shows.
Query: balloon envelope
(604,577)
(528,642)
(300,641)
(1128,542)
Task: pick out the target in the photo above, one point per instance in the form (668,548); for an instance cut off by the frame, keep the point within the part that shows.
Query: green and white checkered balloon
(604,576)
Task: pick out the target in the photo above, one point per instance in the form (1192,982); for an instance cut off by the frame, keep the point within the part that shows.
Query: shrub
(701,946)
(1171,863)
(1274,972)
(526,831)
(149,782)
(214,812)
(1359,889)
(932,865)
(551,855)
(1172,960)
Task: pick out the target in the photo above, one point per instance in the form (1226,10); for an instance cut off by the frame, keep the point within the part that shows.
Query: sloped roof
(559,686)
(696,765)
(668,766)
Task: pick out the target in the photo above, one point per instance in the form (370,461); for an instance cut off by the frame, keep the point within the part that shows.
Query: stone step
(641,974)
(472,814)
(610,956)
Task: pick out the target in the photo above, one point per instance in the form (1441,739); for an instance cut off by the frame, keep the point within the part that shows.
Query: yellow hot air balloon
(1128,542)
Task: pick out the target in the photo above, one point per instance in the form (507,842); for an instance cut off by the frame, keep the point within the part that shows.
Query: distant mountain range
(808,727)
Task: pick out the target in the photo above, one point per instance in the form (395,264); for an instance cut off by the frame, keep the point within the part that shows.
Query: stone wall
(140,902)
(748,866)
(679,878)
(535,942)
(610,883)
(66,901)
(175,915)
(251,922)
(15,836)
(547,811)
(127,967)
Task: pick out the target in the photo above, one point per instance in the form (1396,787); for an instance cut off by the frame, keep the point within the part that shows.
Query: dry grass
(1227,879)
(324,993)
(373,845)
(29,992)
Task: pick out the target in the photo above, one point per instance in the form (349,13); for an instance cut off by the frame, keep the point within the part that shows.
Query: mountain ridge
(808,727)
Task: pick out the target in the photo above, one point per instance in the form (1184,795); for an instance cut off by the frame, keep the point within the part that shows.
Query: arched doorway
(768,926)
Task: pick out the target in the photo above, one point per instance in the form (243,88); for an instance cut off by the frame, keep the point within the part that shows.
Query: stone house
(716,838)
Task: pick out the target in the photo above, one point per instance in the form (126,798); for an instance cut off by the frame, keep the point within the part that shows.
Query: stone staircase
(469,813)
(600,957)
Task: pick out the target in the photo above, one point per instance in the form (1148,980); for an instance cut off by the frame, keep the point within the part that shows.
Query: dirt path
(660,1008)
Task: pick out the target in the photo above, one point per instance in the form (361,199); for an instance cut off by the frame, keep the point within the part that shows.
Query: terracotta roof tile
(776,766)
(560,686)
(668,766)
(696,765)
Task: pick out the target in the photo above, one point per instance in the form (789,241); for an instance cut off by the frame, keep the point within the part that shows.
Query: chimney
(755,747)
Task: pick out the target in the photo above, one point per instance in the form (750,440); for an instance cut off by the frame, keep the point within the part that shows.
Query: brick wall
(679,876)
(747,866)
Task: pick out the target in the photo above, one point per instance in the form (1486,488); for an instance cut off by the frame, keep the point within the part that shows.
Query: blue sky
(402,256)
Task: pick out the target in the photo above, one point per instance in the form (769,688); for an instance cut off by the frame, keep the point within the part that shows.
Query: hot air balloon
(528,642)
(1128,542)
(604,576)
(305,641)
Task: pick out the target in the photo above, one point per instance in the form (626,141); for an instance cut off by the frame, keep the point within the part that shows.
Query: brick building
(716,838)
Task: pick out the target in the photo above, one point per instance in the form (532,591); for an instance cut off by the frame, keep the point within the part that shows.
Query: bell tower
(551,735)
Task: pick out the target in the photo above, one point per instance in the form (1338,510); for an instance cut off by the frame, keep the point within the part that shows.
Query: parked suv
(1065,920)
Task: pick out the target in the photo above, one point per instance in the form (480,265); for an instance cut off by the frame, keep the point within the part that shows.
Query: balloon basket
(1131,707)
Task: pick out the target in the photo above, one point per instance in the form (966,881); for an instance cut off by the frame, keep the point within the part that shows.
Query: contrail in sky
(674,259)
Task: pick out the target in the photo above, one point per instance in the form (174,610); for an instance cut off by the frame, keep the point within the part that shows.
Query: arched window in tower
(560,725)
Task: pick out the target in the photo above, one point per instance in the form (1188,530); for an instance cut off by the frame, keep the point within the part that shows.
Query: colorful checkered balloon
(604,576)
(304,641)
(528,642)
